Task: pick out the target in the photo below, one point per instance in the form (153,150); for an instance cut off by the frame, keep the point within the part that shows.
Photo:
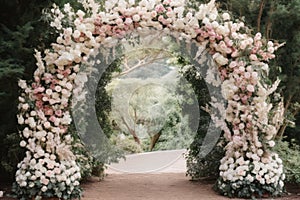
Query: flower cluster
(240,60)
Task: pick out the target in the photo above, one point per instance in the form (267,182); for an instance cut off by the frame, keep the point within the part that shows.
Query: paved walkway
(171,161)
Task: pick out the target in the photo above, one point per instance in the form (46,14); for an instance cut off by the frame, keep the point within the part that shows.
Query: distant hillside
(154,70)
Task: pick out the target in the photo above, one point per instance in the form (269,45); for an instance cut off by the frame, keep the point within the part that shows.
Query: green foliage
(208,166)
(175,134)
(10,149)
(289,153)
(203,167)
(103,100)
(127,144)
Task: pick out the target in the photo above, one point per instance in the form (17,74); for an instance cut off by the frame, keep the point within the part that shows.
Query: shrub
(208,166)
(289,153)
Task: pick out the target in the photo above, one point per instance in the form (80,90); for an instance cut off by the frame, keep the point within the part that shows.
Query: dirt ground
(166,186)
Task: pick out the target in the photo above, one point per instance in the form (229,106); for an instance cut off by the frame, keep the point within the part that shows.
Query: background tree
(23,28)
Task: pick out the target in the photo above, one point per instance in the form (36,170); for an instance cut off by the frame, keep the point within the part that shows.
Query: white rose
(22,143)
(136,18)
(48,91)
(47,125)
(25,106)
(220,59)
(213,16)
(44,189)
(80,13)
(226,16)
(260,152)
(20,119)
(33,113)
(57,88)
(205,21)
(281,183)
(271,143)
(22,84)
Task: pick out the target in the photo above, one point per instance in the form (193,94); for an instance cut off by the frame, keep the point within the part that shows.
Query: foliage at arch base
(250,120)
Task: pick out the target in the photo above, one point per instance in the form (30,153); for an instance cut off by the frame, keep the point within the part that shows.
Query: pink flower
(52,118)
(249,125)
(48,111)
(161,18)
(167,2)
(153,14)
(119,21)
(257,36)
(57,170)
(234,54)
(44,181)
(160,8)
(39,104)
(58,113)
(253,57)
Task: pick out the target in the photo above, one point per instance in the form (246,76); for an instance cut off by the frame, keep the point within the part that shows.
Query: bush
(289,153)
(199,167)
(11,154)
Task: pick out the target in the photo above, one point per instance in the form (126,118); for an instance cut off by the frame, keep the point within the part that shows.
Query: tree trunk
(285,125)
(132,132)
(261,9)
(269,23)
(154,140)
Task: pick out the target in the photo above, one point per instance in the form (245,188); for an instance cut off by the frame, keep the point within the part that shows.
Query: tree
(23,28)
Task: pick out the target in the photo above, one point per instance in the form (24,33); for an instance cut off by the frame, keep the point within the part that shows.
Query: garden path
(167,180)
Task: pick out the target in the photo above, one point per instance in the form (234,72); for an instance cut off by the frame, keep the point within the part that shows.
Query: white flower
(57,88)
(80,13)
(255,157)
(206,21)
(25,106)
(220,59)
(22,143)
(136,18)
(281,184)
(76,34)
(20,119)
(22,84)
(33,113)
(250,178)
(44,189)
(250,88)
(226,16)
(1,194)
(212,16)
(271,143)
(47,125)
(49,92)
(260,152)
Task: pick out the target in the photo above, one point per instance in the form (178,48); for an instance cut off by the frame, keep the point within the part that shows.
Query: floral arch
(249,121)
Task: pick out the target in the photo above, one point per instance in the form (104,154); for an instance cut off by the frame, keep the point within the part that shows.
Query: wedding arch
(248,120)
